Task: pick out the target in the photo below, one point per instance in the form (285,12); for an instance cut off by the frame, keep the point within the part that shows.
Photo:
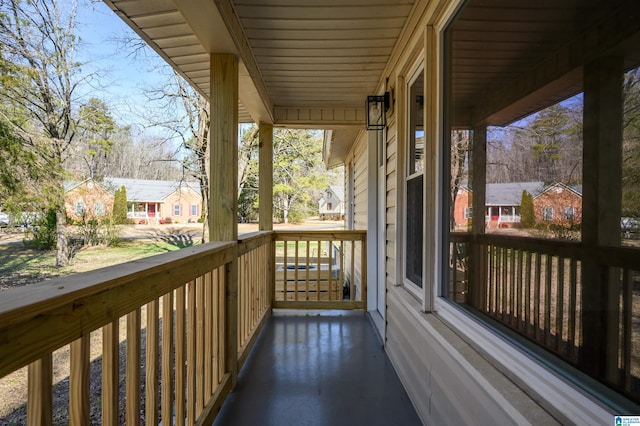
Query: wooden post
(39,399)
(79,381)
(602,179)
(223,201)
(266,177)
(132,359)
(110,374)
(476,277)
(231,320)
(151,367)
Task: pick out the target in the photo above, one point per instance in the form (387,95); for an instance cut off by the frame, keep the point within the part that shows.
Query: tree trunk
(204,189)
(62,245)
(285,210)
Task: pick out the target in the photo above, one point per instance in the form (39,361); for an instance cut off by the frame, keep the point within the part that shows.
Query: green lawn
(21,265)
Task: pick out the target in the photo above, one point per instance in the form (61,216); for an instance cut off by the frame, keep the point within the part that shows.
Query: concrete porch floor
(318,368)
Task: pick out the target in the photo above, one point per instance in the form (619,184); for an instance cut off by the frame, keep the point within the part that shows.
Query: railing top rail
(530,243)
(335,235)
(251,240)
(563,248)
(623,257)
(41,318)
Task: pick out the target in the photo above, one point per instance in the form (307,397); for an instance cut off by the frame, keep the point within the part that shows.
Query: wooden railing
(534,286)
(320,269)
(166,306)
(255,281)
(175,328)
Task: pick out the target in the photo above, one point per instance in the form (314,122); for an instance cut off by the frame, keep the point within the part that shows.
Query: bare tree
(39,41)
(459,165)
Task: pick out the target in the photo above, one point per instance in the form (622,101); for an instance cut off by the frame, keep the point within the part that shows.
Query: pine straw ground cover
(19,266)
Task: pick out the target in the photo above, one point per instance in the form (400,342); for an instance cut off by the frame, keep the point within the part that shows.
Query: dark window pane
(413,258)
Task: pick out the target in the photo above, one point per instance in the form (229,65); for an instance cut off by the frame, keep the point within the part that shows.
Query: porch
(174,330)
(318,368)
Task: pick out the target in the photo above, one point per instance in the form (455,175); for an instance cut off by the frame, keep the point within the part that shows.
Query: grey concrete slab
(318,368)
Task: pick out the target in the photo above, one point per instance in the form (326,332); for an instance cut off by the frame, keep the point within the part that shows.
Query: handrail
(251,240)
(79,304)
(334,235)
(313,273)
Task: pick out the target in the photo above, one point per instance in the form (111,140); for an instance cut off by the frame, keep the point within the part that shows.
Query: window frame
(569,213)
(411,172)
(468,212)
(178,208)
(80,208)
(99,208)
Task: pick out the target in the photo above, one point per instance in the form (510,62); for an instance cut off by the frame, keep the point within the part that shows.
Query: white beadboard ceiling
(295,55)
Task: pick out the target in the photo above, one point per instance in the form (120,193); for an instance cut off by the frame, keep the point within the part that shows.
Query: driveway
(194,230)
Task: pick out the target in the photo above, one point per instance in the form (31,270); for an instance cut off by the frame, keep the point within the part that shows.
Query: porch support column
(223,197)
(266,177)
(478,185)
(602,181)
(223,200)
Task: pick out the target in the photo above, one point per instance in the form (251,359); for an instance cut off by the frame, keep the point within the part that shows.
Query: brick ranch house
(502,204)
(148,201)
(160,201)
(557,202)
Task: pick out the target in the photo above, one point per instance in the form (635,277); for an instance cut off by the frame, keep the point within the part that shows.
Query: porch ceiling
(512,58)
(303,63)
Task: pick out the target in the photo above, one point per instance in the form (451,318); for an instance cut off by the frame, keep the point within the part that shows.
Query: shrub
(120,206)
(93,232)
(527,214)
(43,234)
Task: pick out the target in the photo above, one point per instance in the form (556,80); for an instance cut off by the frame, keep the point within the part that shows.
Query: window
(176,210)
(80,208)
(414,184)
(569,213)
(329,206)
(194,210)
(99,208)
(468,212)
(543,147)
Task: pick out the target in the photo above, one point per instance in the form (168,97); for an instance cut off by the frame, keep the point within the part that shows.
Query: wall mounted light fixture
(377,107)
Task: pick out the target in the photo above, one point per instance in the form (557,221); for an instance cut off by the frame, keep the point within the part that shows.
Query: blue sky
(121,78)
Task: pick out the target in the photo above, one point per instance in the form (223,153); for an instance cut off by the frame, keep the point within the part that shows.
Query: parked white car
(629,225)
(4,220)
